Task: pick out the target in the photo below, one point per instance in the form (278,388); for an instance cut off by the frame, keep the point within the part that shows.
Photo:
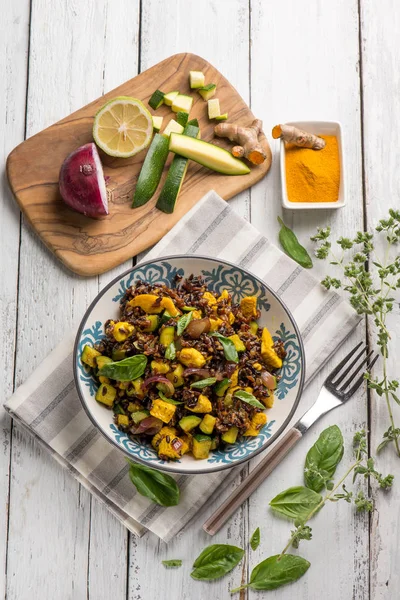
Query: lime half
(123,127)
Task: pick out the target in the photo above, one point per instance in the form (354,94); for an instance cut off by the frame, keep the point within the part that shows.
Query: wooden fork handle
(252,482)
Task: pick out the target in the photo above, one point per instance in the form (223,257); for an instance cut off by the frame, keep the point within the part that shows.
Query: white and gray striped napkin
(49,407)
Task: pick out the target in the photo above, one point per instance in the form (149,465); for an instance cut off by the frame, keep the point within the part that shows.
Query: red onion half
(268,380)
(148,426)
(82,184)
(163,384)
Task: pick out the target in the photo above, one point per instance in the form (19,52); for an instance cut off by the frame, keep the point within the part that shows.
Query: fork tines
(338,382)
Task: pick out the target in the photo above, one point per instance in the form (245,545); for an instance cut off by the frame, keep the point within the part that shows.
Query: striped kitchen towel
(47,404)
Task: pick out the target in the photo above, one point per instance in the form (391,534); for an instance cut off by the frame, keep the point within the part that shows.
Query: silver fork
(337,389)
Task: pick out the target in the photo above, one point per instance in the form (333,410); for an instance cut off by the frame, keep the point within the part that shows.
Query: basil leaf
(216,561)
(169,400)
(248,398)
(272,573)
(174,562)
(292,246)
(255,539)
(127,369)
(183,322)
(296,502)
(170,352)
(323,458)
(203,383)
(158,487)
(118,410)
(228,346)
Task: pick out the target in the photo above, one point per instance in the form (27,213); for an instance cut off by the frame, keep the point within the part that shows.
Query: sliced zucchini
(213,108)
(182,118)
(157,122)
(207,91)
(208,155)
(173,126)
(156,99)
(151,171)
(182,103)
(197,79)
(193,122)
(170,97)
(176,175)
(222,117)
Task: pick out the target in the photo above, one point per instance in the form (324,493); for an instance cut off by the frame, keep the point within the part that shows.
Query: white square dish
(318,128)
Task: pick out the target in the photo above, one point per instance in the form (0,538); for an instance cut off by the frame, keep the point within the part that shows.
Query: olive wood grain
(88,246)
(252,482)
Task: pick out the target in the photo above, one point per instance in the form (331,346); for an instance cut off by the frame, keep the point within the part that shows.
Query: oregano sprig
(371,283)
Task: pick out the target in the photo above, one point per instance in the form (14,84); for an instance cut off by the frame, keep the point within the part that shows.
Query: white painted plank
(66,71)
(218,31)
(14,33)
(380,61)
(305,66)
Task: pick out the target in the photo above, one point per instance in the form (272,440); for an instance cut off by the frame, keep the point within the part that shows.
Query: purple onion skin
(82,184)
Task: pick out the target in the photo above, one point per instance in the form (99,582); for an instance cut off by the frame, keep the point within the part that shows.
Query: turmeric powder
(313,176)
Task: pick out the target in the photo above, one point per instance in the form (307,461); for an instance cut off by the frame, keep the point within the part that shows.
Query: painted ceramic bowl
(219,275)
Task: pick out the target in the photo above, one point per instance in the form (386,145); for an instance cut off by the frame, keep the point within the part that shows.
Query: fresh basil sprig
(296,502)
(183,322)
(158,487)
(170,353)
(255,539)
(230,351)
(203,383)
(173,562)
(292,246)
(127,369)
(276,571)
(169,400)
(323,458)
(216,561)
(248,398)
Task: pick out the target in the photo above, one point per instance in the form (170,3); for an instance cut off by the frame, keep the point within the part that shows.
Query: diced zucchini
(172,127)
(157,122)
(176,175)
(103,379)
(229,437)
(133,407)
(207,424)
(154,322)
(139,415)
(222,117)
(222,386)
(201,446)
(106,394)
(151,171)
(156,99)
(176,377)
(203,405)
(135,388)
(182,103)
(167,336)
(182,118)
(211,156)
(188,423)
(170,97)
(197,79)
(214,443)
(123,420)
(102,360)
(253,327)
(207,91)
(213,108)
(89,356)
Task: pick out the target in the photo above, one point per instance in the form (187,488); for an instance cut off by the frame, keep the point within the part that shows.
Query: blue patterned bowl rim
(165,467)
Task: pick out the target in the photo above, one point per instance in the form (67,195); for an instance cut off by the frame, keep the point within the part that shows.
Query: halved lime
(123,127)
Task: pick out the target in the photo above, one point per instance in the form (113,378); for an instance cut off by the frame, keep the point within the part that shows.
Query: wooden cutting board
(88,246)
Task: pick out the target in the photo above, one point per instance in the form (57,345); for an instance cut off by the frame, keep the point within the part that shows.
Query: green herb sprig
(371,284)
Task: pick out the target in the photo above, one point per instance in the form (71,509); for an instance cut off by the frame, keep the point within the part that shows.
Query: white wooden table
(337,59)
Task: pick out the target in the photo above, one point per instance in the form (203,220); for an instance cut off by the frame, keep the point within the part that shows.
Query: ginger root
(298,137)
(246,138)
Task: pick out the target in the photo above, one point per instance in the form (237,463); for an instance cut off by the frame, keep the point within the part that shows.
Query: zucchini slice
(157,122)
(207,91)
(213,108)
(197,79)
(151,171)
(156,99)
(182,103)
(173,126)
(182,118)
(222,117)
(170,97)
(206,154)
(176,175)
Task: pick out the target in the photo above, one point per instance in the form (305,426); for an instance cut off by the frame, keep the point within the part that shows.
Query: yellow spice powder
(313,175)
